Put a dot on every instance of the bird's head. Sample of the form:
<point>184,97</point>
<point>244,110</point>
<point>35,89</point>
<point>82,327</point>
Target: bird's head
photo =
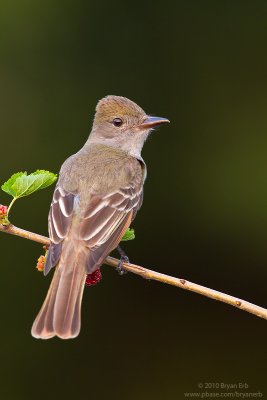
<point>121,123</point>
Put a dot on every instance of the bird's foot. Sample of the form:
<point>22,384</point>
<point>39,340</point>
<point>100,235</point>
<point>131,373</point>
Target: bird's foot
<point>123,259</point>
<point>120,269</point>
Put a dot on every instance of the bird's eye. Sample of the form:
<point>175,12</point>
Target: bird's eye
<point>117,122</point>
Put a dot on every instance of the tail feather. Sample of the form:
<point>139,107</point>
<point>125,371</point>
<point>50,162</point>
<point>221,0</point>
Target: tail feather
<point>60,314</point>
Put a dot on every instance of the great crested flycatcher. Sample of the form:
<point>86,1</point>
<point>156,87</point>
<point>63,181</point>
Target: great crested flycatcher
<point>98,194</point>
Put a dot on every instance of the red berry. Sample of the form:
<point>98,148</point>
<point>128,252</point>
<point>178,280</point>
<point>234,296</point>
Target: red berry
<point>94,278</point>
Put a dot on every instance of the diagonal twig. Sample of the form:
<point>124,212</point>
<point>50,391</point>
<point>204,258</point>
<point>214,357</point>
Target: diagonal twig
<point>153,275</point>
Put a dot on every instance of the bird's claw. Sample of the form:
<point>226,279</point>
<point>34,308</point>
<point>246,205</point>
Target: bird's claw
<point>120,269</point>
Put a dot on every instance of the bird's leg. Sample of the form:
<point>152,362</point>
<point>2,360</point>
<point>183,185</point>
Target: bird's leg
<point>123,259</point>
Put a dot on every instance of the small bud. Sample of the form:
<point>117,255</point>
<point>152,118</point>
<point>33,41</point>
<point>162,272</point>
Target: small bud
<point>3,211</point>
<point>3,215</point>
<point>94,278</point>
<point>40,263</point>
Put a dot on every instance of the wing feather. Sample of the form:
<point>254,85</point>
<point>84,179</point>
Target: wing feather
<point>106,220</point>
<point>59,220</point>
<point>60,214</point>
<point>100,227</point>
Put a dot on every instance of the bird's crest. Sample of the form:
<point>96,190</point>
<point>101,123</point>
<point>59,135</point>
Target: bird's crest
<point>117,106</point>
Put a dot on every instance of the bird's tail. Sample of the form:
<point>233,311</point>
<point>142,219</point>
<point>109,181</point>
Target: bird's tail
<point>60,314</point>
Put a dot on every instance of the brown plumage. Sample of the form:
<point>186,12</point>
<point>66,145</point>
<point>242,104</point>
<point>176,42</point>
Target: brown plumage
<point>98,193</point>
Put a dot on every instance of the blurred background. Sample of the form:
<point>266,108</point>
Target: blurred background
<point>202,64</point>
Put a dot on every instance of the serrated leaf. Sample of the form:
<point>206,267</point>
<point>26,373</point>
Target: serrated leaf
<point>50,177</point>
<point>129,235</point>
<point>21,184</point>
<point>7,186</point>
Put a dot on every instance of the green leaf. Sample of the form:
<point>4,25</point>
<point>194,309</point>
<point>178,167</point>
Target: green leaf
<point>7,186</point>
<point>129,235</point>
<point>21,184</point>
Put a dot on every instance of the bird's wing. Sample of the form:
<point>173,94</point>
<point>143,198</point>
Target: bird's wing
<point>101,227</point>
<point>60,214</point>
<point>59,219</point>
<point>105,221</point>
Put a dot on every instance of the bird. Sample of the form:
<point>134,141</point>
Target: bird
<point>97,196</point>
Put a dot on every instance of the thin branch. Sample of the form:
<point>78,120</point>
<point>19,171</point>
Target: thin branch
<point>149,274</point>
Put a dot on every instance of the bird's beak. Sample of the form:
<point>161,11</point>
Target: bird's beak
<point>151,122</point>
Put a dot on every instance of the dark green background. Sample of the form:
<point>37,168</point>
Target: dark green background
<point>202,64</point>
